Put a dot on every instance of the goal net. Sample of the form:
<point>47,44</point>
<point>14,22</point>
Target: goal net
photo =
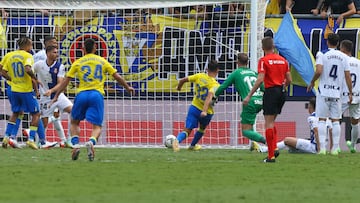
<point>152,44</point>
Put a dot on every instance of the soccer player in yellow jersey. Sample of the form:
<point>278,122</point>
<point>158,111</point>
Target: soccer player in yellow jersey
<point>16,68</point>
<point>91,71</point>
<point>200,110</point>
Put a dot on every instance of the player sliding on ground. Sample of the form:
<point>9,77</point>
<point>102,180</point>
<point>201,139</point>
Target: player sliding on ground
<point>200,110</point>
<point>298,144</point>
<point>91,71</point>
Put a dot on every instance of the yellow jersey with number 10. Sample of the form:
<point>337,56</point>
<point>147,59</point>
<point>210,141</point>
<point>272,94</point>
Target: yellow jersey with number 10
<point>14,63</point>
<point>203,84</point>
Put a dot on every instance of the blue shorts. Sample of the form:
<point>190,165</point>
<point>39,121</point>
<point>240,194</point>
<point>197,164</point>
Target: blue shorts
<point>193,118</point>
<point>23,101</point>
<point>89,105</point>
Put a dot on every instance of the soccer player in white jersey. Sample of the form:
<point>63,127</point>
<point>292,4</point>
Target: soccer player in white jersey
<point>331,68</point>
<point>346,46</point>
<point>41,55</point>
<point>51,73</point>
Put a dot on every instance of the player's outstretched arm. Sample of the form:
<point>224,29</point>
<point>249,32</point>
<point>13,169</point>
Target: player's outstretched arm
<point>122,82</point>
<point>182,81</point>
<point>61,88</point>
<point>229,81</point>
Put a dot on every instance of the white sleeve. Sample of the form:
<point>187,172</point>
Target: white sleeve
<point>319,58</point>
<point>35,67</point>
<point>313,122</point>
<point>61,73</point>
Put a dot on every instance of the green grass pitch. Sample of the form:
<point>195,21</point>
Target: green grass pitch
<point>160,175</point>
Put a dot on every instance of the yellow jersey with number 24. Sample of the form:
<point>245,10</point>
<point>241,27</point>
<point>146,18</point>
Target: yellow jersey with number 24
<point>91,72</point>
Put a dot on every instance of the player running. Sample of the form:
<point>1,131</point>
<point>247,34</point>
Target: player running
<point>200,110</point>
<point>91,70</point>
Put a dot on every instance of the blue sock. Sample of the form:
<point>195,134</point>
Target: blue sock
<point>198,135</point>
<point>9,128</point>
<point>75,140</point>
<point>41,132</point>
<point>181,136</point>
<point>16,127</point>
<point>33,130</point>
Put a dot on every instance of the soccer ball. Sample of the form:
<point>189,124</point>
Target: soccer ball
<point>169,139</point>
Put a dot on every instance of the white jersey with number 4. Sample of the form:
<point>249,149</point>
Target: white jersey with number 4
<point>334,64</point>
<point>354,64</point>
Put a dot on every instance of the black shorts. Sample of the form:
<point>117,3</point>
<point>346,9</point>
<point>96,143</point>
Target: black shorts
<point>273,100</point>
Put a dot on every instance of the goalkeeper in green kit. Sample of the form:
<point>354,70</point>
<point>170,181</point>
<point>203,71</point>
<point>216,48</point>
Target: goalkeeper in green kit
<point>244,78</point>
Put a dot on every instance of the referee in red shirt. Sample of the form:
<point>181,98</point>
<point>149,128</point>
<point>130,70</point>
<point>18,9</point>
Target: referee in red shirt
<point>274,71</point>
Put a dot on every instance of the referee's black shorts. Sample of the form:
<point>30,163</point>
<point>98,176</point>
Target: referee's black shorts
<point>273,100</point>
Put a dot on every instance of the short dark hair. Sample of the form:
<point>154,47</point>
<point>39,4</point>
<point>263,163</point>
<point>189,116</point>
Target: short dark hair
<point>23,41</point>
<point>312,102</point>
<point>213,66</point>
<point>243,59</point>
<point>49,38</point>
<point>50,48</point>
<point>333,39</point>
<point>267,43</point>
<point>347,45</point>
<point>89,44</point>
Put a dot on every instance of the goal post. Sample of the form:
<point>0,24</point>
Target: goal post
<point>152,44</point>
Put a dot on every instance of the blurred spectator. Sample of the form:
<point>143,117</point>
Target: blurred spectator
<point>4,14</point>
<point>316,11</point>
<point>232,8</point>
<point>180,12</point>
<point>197,12</point>
<point>357,6</point>
<point>345,8</point>
<point>3,42</point>
<point>273,7</point>
<point>304,6</point>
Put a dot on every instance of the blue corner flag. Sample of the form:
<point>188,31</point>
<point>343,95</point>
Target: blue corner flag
<point>290,44</point>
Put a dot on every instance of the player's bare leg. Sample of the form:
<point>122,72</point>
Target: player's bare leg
<point>75,131</point>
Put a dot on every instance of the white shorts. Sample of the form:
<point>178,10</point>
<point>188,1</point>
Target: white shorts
<point>62,103</point>
<point>354,110</point>
<point>327,107</point>
<point>306,146</point>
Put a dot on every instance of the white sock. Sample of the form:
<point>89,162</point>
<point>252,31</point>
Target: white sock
<point>336,135</point>
<point>322,134</point>
<point>281,145</point>
<point>69,126</point>
<point>354,134</point>
<point>263,149</point>
<point>59,128</point>
<point>51,119</point>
